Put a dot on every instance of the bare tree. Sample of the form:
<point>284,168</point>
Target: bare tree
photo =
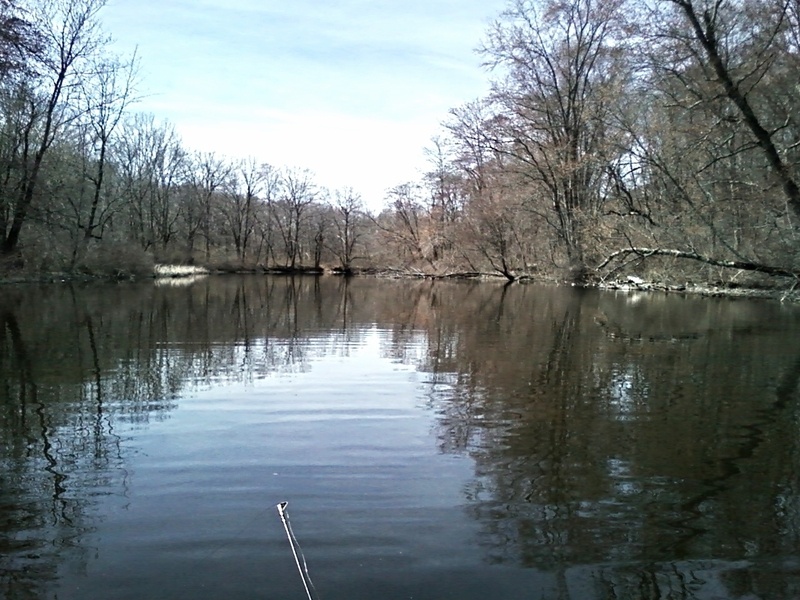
<point>565,65</point>
<point>493,227</point>
<point>264,216</point>
<point>738,44</point>
<point>298,192</point>
<point>107,91</point>
<point>247,186</point>
<point>348,215</point>
<point>71,37</point>
<point>402,223</point>
<point>319,217</point>
<point>151,165</point>
<point>494,222</point>
<point>714,157</point>
<point>209,177</point>
<point>19,40</point>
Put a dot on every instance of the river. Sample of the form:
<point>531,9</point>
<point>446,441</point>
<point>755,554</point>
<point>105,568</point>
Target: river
<point>432,439</point>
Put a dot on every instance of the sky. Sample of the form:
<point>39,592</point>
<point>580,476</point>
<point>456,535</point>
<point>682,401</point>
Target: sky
<point>353,90</point>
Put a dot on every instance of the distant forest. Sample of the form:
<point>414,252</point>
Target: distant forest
<point>651,137</point>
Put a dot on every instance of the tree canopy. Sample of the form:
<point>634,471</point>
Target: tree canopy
<point>662,135</point>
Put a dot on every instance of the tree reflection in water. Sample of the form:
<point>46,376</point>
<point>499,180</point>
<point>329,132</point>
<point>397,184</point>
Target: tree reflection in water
<point>80,366</point>
<point>631,446</point>
<point>83,366</point>
<point>642,435</point>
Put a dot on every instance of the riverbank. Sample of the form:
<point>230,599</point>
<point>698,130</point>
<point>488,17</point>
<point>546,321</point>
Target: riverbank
<point>629,284</point>
<point>787,294</point>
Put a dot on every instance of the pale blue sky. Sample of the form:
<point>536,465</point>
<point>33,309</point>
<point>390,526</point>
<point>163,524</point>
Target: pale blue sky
<point>351,89</point>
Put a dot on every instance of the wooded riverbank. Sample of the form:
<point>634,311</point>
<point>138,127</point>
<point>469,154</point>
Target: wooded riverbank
<point>186,274</point>
<point>655,142</point>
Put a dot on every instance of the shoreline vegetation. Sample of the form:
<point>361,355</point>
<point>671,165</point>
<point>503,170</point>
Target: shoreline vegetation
<point>182,274</point>
<point>622,146</point>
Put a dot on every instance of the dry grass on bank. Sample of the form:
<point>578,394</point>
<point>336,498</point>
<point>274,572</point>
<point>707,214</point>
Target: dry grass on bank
<point>179,270</point>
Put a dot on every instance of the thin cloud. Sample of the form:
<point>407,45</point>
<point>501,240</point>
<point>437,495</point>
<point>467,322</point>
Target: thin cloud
<point>357,74</point>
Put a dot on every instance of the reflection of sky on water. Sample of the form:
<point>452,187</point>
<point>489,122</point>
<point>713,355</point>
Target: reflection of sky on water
<point>345,440</point>
<point>624,482</point>
<point>183,281</point>
<point>422,445</point>
<point>627,396</point>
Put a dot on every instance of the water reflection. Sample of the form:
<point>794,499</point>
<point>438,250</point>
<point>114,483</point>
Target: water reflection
<point>615,430</point>
<point>82,365</point>
<point>628,446</point>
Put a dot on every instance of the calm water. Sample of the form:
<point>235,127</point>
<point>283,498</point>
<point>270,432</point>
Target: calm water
<point>433,440</point>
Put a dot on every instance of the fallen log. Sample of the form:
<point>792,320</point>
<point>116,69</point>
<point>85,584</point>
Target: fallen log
<point>731,264</point>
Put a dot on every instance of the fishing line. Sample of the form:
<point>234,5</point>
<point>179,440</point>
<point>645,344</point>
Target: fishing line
<point>295,545</point>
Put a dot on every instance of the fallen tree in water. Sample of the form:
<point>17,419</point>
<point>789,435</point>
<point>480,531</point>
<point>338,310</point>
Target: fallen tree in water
<point>744,265</point>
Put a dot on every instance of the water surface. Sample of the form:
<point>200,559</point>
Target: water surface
<point>433,440</point>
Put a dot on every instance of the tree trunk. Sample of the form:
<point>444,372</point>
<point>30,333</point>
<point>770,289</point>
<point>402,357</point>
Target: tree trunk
<point>729,264</point>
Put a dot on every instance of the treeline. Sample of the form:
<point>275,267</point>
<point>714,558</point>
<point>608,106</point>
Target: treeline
<point>644,132</point>
<point>657,136</point>
<point>86,183</point>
